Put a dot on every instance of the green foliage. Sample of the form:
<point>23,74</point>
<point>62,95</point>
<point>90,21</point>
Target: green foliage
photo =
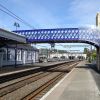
<point>85,50</point>
<point>94,55</point>
<point>91,55</point>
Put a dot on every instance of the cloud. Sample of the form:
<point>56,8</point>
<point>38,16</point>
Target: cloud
<point>68,13</point>
<point>84,11</point>
<point>36,13</point>
<point>3,25</point>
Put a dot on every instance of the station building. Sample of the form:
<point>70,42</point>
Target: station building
<point>14,50</point>
<point>69,55</point>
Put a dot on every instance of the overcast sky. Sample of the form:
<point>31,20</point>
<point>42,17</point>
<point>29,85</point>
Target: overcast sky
<point>50,13</point>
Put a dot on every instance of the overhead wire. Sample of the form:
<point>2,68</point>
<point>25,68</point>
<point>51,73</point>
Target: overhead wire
<point>10,13</point>
<point>72,45</point>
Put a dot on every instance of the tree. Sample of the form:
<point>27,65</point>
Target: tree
<point>91,55</point>
<point>86,51</point>
<point>94,55</point>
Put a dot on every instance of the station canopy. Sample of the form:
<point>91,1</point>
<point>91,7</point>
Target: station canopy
<point>7,37</point>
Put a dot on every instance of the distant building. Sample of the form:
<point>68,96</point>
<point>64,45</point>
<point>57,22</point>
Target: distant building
<point>98,20</point>
<point>60,54</point>
<point>68,55</point>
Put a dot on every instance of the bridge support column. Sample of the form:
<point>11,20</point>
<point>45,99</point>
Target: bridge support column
<point>98,59</point>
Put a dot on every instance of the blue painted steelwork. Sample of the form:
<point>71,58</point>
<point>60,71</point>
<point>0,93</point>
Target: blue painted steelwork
<point>84,35</point>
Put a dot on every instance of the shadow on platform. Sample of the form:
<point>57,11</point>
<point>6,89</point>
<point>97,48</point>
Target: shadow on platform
<point>94,71</point>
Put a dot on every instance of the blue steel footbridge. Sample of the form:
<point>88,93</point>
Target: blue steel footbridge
<point>62,35</point>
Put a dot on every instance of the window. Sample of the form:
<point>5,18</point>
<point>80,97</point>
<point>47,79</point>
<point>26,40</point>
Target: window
<point>18,55</point>
<point>29,55</point>
<point>11,54</point>
<point>3,53</point>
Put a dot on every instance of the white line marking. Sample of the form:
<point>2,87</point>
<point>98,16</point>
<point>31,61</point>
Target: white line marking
<point>13,72</point>
<point>51,90</point>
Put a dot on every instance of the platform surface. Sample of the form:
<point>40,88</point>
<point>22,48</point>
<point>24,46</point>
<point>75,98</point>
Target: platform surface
<point>19,68</point>
<point>79,84</point>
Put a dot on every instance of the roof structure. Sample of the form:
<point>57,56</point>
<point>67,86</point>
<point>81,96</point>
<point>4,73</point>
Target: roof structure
<point>11,37</point>
<point>22,46</point>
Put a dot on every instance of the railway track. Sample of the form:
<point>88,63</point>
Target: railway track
<point>39,92</point>
<point>9,77</point>
<point>34,95</point>
<point>36,83</point>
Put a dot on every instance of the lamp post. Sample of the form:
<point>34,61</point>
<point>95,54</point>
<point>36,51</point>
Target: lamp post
<point>16,25</point>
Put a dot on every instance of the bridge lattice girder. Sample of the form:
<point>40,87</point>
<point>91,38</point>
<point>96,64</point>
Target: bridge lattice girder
<point>87,35</point>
